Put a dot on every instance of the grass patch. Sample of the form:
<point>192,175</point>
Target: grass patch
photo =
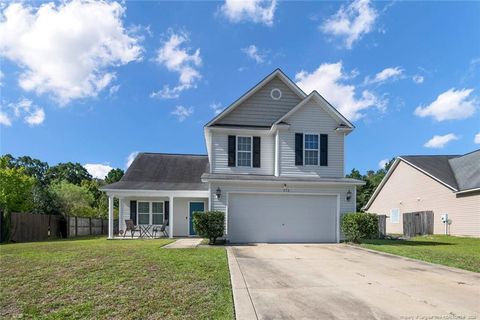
<point>458,252</point>
<point>124,279</point>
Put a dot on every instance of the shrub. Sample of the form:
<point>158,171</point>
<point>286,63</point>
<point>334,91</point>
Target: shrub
<point>359,225</point>
<point>209,224</point>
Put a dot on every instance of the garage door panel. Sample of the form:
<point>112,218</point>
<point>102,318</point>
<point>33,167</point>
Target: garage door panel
<point>282,218</point>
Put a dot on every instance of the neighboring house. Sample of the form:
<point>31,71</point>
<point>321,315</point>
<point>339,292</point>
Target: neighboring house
<point>275,166</point>
<point>447,184</point>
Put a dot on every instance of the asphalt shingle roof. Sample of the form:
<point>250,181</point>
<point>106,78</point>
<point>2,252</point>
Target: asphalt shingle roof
<point>161,171</point>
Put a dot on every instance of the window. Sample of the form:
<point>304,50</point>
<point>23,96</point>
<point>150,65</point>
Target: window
<point>395,215</point>
<point>143,212</point>
<point>244,151</point>
<point>157,212</point>
<point>146,209</point>
<point>311,149</point>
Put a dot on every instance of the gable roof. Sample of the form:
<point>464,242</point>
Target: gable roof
<point>459,173</point>
<point>324,103</point>
<point>276,73</point>
<point>163,171</point>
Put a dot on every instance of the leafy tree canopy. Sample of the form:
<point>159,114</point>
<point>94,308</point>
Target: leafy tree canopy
<point>114,175</point>
<point>71,172</point>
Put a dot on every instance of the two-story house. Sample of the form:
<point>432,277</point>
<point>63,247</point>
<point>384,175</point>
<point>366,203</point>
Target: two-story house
<point>275,166</point>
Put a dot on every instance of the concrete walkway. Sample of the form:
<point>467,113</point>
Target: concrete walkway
<point>342,282</point>
<point>184,243</point>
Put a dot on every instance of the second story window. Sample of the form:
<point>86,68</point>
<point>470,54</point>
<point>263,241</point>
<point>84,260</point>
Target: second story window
<point>244,151</point>
<point>311,149</point>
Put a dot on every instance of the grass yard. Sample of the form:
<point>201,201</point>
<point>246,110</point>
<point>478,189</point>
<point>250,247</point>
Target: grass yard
<point>458,252</point>
<point>124,279</point>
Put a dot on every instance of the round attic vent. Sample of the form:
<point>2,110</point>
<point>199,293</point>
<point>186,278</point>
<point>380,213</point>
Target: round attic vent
<point>276,94</point>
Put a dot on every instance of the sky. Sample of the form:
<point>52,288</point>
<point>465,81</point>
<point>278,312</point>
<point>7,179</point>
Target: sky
<point>97,82</point>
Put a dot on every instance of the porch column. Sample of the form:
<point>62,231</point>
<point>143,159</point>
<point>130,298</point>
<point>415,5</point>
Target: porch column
<point>120,214</point>
<point>170,203</point>
<point>110,217</point>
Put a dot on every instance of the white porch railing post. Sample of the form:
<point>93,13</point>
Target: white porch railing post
<point>110,217</point>
<point>120,214</point>
<point>170,222</point>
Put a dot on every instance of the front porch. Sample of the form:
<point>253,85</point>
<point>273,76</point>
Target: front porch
<point>149,210</point>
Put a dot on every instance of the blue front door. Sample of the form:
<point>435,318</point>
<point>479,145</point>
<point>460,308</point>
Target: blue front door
<point>194,207</point>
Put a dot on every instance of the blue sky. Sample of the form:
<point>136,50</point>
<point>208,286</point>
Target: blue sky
<point>94,82</point>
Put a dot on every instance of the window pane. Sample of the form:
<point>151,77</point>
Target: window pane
<point>311,157</point>
<point>311,141</point>
<point>143,207</point>
<point>157,218</point>
<point>143,218</point>
<point>244,159</point>
<point>244,143</point>
<point>157,207</point>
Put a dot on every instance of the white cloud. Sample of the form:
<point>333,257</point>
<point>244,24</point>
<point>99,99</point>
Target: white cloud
<point>477,138</point>
<point>328,79</point>
<point>36,117</point>
<point>24,108</point>
<point>182,113</point>
<point>351,22</point>
<point>216,107</point>
<point>253,53</point>
<point>418,79</point>
<point>438,142</point>
<point>67,49</point>
<point>5,119</point>
<point>178,58</point>
<point>450,105</point>
<point>386,74</point>
<point>130,159</point>
<point>257,11</point>
<point>98,170</point>
<point>382,163</point>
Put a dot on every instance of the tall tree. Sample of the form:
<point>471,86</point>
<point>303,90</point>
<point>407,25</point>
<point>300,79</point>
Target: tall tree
<point>15,189</point>
<point>71,172</point>
<point>33,167</point>
<point>114,175</point>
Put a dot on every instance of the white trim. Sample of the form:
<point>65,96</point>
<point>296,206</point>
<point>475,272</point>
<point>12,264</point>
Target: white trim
<point>389,173</point>
<point>315,94</point>
<point>257,87</point>
<point>188,215</point>
<point>158,193</point>
<point>467,190</point>
<point>279,94</point>
<point>110,217</point>
<point>346,183</point>
<point>290,194</point>
<point>243,151</point>
<point>277,155</point>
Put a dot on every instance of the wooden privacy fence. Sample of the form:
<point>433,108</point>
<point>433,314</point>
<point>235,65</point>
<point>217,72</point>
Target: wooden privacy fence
<point>79,226</point>
<point>382,226</point>
<point>28,227</point>
<point>417,223</point>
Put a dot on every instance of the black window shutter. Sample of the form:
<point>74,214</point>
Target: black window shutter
<point>167,212</point>
<point>299,149</point>
<point>324,149</point>
<point>232,140</point>
<point>256,152</point>
<point>133,211</point>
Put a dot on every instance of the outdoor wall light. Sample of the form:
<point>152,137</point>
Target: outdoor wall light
<point>349,195</point>
<point>218,193</point>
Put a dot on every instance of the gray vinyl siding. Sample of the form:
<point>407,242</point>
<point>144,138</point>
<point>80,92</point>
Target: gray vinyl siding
<point>311,118</point>
<point>219,160</point>
<point>221,204</point>
<point>260,109</point>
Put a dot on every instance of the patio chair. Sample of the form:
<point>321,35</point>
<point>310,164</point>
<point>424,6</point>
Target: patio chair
<point>162,229</point>
<point>131,227</point>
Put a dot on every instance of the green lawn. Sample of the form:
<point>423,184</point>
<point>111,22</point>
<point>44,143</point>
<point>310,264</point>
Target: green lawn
<point>127,279</point>
<point>456,252</point>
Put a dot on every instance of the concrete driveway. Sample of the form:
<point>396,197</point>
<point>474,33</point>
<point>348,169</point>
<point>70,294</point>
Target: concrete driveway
<point>341,282</point>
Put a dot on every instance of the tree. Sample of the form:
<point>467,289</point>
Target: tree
<point>15,189</point>
<point>71,172</point>
<point>114,175</point>
<point>74,200</point>
<point>33,167</point>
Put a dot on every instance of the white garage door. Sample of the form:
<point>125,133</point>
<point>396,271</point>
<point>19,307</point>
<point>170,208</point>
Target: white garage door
<point>282,218</point>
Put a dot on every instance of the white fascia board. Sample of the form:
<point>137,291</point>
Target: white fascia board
<point>257,87</point>
<point>238,130</point>
<point>158,193</point>
<point>288,182</point>
<point>467,190</point>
